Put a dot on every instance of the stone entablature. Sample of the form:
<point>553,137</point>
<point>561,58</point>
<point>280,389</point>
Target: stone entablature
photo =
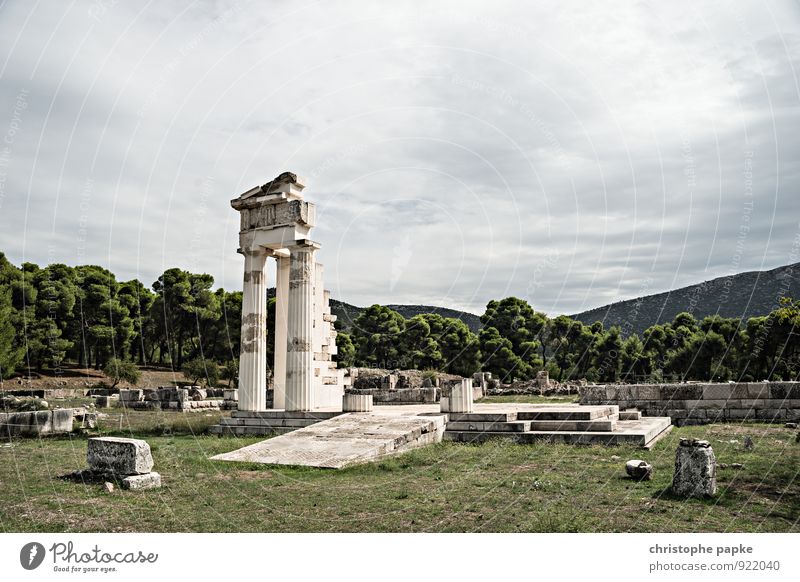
<point>703,403</point>
<point>277,214</point>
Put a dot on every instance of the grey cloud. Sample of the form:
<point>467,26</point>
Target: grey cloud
<point>456,154</point>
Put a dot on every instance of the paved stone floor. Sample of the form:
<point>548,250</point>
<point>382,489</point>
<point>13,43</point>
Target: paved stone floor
<point>347,439</point>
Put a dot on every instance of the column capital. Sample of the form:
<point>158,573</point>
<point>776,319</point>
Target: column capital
<point>255,251</point>
<point>303,244</point>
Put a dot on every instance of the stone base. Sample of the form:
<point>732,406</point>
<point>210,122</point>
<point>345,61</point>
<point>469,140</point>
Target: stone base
<point>269,422</point>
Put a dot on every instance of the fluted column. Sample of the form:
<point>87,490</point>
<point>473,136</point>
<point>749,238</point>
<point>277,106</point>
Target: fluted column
<point>299,356</point>
<point>253,357</point>
<point>281,324</point>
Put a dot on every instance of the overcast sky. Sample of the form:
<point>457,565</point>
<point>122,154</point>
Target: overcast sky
<point>568,153</point>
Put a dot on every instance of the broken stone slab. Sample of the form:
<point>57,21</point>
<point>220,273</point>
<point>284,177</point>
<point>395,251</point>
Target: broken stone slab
<point>231,395</point>
<point>150,480</point>
<point>119,456</point>
<point>695,469</point>
<point>638,469</point>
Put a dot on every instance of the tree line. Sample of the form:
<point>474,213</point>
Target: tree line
<point>58,314</point>
<point>516,342</point>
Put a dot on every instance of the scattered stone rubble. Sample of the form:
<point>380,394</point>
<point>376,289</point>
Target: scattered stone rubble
<point>639,470</point>
<point>695,469</point>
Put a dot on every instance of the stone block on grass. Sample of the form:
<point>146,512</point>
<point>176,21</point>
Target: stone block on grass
<point>119,456</point>
<point>695,469</point>
<point>150,480</point>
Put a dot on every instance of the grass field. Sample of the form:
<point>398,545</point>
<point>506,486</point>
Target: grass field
<point>497,487</point>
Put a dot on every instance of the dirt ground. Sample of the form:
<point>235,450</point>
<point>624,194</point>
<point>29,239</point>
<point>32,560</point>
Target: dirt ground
<point>78,378</point>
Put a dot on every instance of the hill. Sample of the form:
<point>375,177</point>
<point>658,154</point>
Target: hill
<point>346,313</point>
<point>743,295</point>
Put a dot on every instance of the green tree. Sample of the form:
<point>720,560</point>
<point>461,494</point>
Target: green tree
<point>378,337</point>
<point>186,310</point>
<point>635,361</point>
<point>137,300</point>
<point>515,320</point>
<point>499,357</point>
<point>345,350</point>
<point>230,372</point>
<point>10,353</point>
<point>201,368</point>
<point>121,370</point>
<point>459,346</point>
<point>608,347</point>
<point>104,324</point>
<point>419,346</point>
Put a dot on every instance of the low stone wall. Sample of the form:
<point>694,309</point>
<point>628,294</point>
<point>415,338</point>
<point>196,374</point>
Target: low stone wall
<point>401,395</point>
<point>703,403</point>
<point>167,398</point>
<point>43,392</point>
<point>173,405</point>
<point>37,423</point>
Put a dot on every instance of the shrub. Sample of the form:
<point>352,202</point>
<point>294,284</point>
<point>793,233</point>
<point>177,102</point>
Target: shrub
<point>119,370</point>
<point>230,372</point>
<point>200,368</point>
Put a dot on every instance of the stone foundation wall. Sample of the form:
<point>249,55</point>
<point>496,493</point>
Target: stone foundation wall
<point>703,403</point>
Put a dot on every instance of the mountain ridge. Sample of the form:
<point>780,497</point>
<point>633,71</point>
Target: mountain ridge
<point>741,295</point>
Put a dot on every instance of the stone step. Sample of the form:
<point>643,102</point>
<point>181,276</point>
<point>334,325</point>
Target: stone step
<point>347,439</point>
<point>630,415</point>
<point>515,426</point>
<point>483,416</point>
<point>574,425</point>
<point>568,413</point>
<point>644,433</point>
<point>269,422</point>
<point>223,430</point>
<point>267,414</point>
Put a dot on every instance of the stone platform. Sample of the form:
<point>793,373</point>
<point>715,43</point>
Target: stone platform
<point>332,439</point>
<point>572,424</point>
<point>346,439</point>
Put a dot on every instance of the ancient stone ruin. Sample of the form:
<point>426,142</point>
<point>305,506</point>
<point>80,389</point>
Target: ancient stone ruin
<point>318,422</point>
<point>126,460</point>
<point>276,223</point>
<point>695,469</point>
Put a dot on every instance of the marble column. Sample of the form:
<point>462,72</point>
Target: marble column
<point>300,357</point>
<point>253,357</point>
<point>281,323</point>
